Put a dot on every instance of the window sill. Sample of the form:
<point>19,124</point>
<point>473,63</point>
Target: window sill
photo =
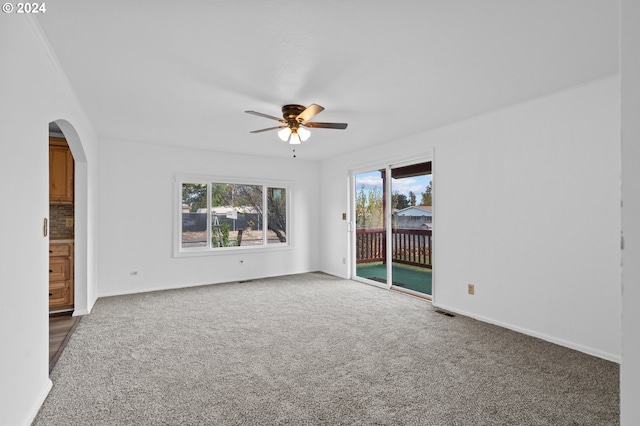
<point>232,251</point>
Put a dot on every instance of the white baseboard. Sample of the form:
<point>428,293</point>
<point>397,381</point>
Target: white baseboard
<point>339,274</point>
<point>566,343</point>
<point>196,284</point>
<point>42,396</point>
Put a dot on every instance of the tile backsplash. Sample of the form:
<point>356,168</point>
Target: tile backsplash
<point>58,215</point>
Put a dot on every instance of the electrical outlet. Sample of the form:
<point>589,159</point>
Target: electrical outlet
<point>344,216</point>
<point>471,289</point>
<point>68,222</point>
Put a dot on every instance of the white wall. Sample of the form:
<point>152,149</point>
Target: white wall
<point>630,370</point>
<point>526,207</point>
<point>137,218</point>
<point>34,92</point>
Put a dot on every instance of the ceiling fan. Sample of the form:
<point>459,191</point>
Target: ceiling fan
<point>296,118</point>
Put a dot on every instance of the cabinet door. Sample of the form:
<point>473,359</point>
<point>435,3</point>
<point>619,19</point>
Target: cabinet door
<point>59,250</point>
<point>59,294</point>
<point>59,269</point>
<point>60,276</point>
<point>60,175</point>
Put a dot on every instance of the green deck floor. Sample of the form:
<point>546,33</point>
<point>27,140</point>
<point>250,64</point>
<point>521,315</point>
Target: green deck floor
<point>410,277</point>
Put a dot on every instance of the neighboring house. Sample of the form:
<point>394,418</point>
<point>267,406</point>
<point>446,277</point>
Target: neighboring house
<point>237,217</point>
<point>413,217</point>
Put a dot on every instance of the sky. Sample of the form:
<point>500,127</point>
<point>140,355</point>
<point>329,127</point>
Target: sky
<point>417,184</point>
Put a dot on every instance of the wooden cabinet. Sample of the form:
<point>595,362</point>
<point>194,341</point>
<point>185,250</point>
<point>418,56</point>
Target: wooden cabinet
<point>60,172</point>
<point>60,276</point>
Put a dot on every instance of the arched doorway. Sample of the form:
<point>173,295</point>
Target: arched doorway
<point>68,235</point>
<point>80,213</point>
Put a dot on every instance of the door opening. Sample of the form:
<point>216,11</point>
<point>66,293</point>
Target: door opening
<point>370,228</point>
<point>393,245</point>
<point>412,222</point>
<point>61,224</point>
<point>61,243</point>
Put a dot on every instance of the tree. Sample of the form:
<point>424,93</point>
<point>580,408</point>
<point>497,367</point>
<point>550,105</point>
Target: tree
<point>221,194</point>
<point>427,198</point>
<point>251,195</point>
<point>224,234</point>
<point>194,195</point>
<point>361,208</point>
<point>374,208</point>
<point>277,208</point>
<point>369,208</point>
<point>399,201</point>
<point>243,195</point>
<point>412,198</point>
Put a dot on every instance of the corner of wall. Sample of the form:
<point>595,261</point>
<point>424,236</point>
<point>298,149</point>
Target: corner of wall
<point>42,396</point>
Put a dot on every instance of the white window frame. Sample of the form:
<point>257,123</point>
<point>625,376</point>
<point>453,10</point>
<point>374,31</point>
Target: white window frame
<point>183,178</point>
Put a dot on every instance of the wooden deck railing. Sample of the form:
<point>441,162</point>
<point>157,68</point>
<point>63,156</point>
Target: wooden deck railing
<point>370,245</point>
<point>410,246</point>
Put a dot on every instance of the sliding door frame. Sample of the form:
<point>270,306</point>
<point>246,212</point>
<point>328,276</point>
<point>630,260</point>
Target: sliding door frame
<point>351,226</point>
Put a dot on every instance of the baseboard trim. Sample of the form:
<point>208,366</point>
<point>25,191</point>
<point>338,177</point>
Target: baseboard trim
<point>190,285</point>
<point>42,396</point>
<point>566,343</point>
<point>335,274</point>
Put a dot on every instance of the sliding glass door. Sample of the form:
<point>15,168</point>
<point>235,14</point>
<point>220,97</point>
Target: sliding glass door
<point>412,214</point>
<point>393,227</point>
<point>370,227</point>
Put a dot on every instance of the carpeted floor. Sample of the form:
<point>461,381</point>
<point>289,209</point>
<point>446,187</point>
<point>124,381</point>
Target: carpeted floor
<point>312,349</point>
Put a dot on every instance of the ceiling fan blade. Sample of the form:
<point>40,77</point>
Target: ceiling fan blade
<point>325,125</point>
<point>266,116</point>
<point>308,113</point>
<point>267,129</point>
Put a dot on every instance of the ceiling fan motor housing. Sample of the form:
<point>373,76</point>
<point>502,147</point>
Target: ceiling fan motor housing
<point>291,112</point>
<point>295,115</point>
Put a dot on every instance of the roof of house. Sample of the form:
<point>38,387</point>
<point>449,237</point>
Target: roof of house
<point>426,210</point>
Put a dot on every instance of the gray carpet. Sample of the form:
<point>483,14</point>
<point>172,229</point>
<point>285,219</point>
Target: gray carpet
<point>313,349</point>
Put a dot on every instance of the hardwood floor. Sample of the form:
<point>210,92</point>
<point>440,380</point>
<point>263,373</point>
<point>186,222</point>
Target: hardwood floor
<point>61,327</point>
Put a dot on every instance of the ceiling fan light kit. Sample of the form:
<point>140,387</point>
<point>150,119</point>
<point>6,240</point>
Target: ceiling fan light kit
<point>295,119</point>
<point>303,133</point>
<point>295,135</point>
<point>284,134</point>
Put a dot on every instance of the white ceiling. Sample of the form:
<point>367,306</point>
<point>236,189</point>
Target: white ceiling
<point>183,72</point>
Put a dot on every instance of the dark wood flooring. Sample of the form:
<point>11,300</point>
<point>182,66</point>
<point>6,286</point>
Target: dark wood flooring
<point>61,327</point>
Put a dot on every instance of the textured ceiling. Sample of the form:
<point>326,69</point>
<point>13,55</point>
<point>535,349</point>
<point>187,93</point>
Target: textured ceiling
<point>182,73</point>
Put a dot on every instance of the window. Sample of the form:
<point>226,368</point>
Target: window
<point>222,216</point>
